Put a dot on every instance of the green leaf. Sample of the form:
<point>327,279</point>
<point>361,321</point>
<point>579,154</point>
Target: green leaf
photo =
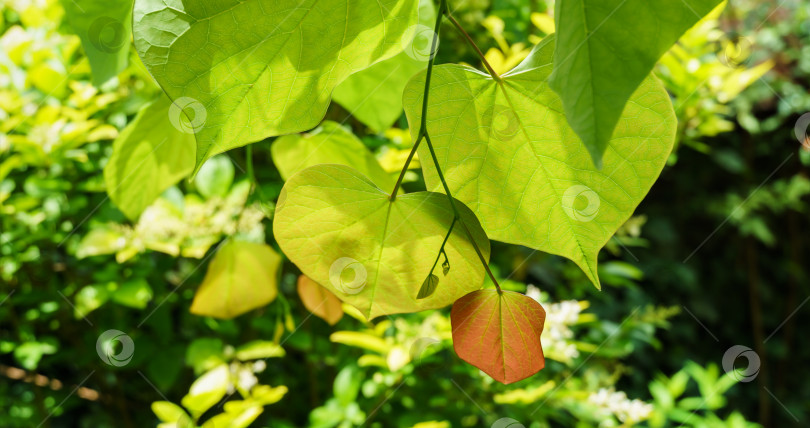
<point>252,69</point>
<point>207,390</point>
<point>259,349</point>
<point>329,143</point>
<point>135,293</point>
<point>605,49</point>
<point>215,177</point>
<point>499,332</point>
<point>346,234</point>
<point>149,156</point>
<point>172,413</point>
<point>428,287</point>
<point>90,298</point>
<point>374,95</point>
<point>347,385</point>
<point>242,276</point>
<point>204,354</point>
<point>104,27</point>
<point>265,394</point>
<point>508,153</point>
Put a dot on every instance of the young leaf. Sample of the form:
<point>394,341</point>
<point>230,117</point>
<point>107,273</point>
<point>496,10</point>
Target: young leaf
<point>605,49</point>
<point>499,333</point>
<point>320,301</point>
<point>508,153</point>
<point>241,277</point>
<point>329,143</point>
<point>104,27</point>
<point>374,95</point>
<point>347,235</point>
<point>428,287</point>
<point>251,69</point>
<point>149,156</point>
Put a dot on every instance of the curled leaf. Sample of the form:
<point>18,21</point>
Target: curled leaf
<point>428,287</point>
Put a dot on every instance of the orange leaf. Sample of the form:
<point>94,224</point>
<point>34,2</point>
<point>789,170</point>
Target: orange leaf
<point>320,301</point>
<point>499,333</point>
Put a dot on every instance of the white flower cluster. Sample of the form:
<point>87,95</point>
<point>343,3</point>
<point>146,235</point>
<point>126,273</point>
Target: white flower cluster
<point>557,334</point>
<point>616,403</point>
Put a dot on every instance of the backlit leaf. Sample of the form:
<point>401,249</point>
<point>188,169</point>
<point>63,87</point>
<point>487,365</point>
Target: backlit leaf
<point>320,301</point>
<point>509,154</point>
<point>428,287</point>
<point>105,28</point>
<point>241,277</point>
<point>374,95</point>
<point>149,156</point>
<point>605,50</point>
<point>344,232</point>
<point>251,69</point>
<point>329,143</point>
<point>499,333</point>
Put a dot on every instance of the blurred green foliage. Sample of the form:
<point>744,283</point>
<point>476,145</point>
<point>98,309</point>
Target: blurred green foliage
<point>716,256</point>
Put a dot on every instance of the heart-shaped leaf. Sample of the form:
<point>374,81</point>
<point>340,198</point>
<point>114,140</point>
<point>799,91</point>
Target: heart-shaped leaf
<point>320,301</point>
<point>499,333</point>
<point>250,69</point>
<point>346,234</point>
<point>329,143</point>
<point>241,277</point>
<point>508,153</point>
<point>605,49</point>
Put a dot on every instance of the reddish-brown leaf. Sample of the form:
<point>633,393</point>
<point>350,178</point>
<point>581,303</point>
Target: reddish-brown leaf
<point>499,333</point>
<point>320,301</point>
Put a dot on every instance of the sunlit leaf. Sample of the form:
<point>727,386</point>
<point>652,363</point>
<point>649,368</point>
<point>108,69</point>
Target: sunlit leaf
<point>374,95</point>
<point>320,301</point>
<point>149,156</point>
<point>329,143</point>
<point>605,50</point>
<point>509,154</point>
<point>207,390</point>
<point>346,234</point>
<point>215,177</point>
<point>171,413</point>
<point>499,333</point>
<point>242,276</point>
<point>135,293</point>
<point>259,349</point>
<point>105,28</point>
<point>257,68</point>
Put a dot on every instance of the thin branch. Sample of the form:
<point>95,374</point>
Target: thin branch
<point>470,41</point>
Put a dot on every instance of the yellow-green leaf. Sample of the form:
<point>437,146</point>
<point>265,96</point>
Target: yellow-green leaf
<point>346,234</point>
<point>242,276</point>
<point>149,156</point>
<point>329,143</point>
<point>507,152</point>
